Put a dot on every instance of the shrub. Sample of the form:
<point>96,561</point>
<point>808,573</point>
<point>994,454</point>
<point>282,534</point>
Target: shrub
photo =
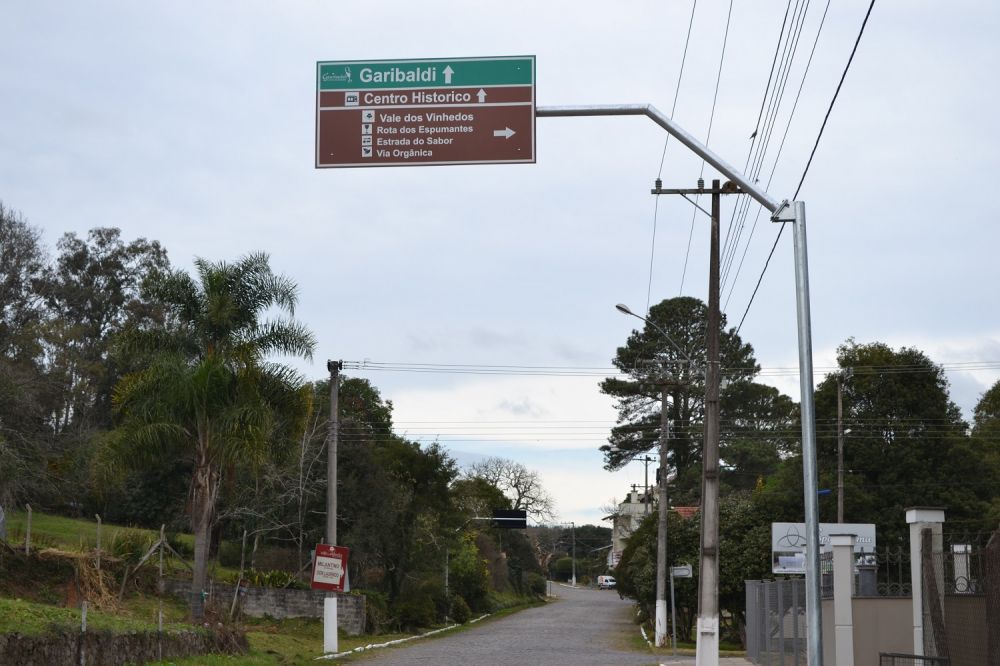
<point>269,579</point>
<point>129,545</point>
<point>376,611</point>
<point>536,584</point>
<point>415,610</point>
<point>460,611</point>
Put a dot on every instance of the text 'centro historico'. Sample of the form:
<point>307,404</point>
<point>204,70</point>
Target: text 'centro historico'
<point>423,112</point>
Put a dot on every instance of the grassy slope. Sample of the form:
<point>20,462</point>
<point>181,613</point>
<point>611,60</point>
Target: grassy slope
<point>68,533</point>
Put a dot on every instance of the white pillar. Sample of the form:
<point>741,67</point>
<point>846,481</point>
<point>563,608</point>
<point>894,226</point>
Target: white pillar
<point>843,591</point>
<point>330,624</point>
<point>920,518</point>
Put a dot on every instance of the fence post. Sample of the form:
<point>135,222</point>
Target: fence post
<point>920,518</point>
<point>98,516</point>
<point>83,635</point>
<point>991,571</point>
<point>27,532</point>
<point>843,587</point>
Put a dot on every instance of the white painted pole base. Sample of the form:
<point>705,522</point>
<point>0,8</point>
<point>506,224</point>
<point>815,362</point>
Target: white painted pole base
<point>661,622</point>
<point>707,649</point>
<point>330,624</point>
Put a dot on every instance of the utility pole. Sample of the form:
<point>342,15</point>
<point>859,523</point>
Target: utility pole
<point>707,648</point>
<point>840,450</point>
<point>661,528</point>
<point>708,574</point>
<point>332,433</point>
<point>645,493</point>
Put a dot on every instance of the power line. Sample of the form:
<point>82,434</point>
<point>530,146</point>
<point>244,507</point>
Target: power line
<point>663,156</point>
<point>708,137</point>
<point>809,162</point>
<point>774,167</point>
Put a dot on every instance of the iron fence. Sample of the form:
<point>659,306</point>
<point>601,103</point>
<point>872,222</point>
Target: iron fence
<point>895,659</point>
<point>776,622</point>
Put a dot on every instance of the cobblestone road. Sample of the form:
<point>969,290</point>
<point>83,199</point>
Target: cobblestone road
<point>585,627</point>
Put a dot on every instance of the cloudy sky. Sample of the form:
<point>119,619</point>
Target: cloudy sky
<point>193,123</point>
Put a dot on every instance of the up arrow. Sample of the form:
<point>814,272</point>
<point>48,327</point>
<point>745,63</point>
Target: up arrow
<point>482,95</point>
<point>506,132</point>
<point>448,71</point>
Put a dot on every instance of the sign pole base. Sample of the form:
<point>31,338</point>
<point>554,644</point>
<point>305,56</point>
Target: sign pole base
<point>330,623</point>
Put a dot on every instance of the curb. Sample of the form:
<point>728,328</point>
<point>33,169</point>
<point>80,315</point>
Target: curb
<point>398,641</point>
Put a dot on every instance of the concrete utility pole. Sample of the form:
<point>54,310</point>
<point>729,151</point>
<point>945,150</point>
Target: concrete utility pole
<point>661,529</point>
<point>840,450</point>
<point>708,573</point>
<point>332,433</point>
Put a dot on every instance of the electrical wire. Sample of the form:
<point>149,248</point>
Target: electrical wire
<point>812,154</point>
<point>708,138</point>
<point>663,156</point>
<point>777,157</point>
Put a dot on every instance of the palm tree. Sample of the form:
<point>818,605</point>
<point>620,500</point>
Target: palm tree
<point>206,393</point>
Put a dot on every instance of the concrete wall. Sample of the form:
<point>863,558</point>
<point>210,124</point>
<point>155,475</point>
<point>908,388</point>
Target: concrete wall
<point>104,648</point>
<point>881,624</point>
<point>280,603</point>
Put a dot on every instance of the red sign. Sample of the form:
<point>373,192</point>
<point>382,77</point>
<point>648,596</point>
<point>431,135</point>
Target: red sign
<point>330,568</point>
<point>425,112</point>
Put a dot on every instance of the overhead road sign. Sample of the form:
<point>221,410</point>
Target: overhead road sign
<point>510,519</point>
<point>425,112</point>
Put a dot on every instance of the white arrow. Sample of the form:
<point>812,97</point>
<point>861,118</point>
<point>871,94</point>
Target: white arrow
<point>506,132</point>
<point>448,71</point>
<point>482,95</point>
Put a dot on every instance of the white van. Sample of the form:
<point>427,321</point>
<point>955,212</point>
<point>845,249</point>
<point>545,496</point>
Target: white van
<point>605,582</point>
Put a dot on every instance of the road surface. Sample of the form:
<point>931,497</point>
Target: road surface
<point>584,627</point>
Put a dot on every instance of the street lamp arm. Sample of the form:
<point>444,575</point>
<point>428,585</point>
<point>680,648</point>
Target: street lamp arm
<point>625,310</point>
<point>675,130</point>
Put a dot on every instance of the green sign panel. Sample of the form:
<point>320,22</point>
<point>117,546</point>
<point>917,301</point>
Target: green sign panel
<point>396,74</point>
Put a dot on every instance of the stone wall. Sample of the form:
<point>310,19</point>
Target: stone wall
<point>107,648</point>
<point>280,603</point>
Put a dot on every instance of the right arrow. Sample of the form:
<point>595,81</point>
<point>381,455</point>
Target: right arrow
<point>506,132</point>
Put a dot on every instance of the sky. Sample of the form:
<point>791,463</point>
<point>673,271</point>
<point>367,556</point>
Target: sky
<point>193,123</point>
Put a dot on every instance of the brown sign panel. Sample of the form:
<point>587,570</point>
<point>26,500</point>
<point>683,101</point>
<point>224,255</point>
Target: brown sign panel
<point>439,115</point>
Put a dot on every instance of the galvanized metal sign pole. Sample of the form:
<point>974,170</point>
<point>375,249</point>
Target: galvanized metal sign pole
<point>782,211</point>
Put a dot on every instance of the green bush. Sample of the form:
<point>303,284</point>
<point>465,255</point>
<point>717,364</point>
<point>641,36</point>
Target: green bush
<point>460,611</point>
<point>128,545</point>
<point>415,611</point>
<point>536,584</point>
<point>269,579</point>
<point>376,611</point>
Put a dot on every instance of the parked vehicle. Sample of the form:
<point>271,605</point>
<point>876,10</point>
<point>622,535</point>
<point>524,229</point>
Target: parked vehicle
<point>605,582</point>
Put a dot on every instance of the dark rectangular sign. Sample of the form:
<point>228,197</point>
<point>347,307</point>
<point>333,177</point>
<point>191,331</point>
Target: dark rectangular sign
<point>512,519</point>
<point>420,112</point>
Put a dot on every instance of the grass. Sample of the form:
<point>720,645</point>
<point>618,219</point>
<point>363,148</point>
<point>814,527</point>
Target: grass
<point>77,534</point>
<point>33,619</point>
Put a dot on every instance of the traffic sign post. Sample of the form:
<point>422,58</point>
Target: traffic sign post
<point>425,112</point>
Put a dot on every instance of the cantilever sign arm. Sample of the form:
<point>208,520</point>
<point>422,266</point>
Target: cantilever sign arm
<point>675,130</point>
<point>782,211</point>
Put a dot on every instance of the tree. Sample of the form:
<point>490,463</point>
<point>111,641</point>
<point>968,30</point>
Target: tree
<point>648,354</point>
<point>207,393</point>
<point>94,292</point>
<point>907,445</point>
<point>22,385</point>
<point>521,485</point>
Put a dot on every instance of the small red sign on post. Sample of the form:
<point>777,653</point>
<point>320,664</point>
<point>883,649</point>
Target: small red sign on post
<point>330,568</point>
